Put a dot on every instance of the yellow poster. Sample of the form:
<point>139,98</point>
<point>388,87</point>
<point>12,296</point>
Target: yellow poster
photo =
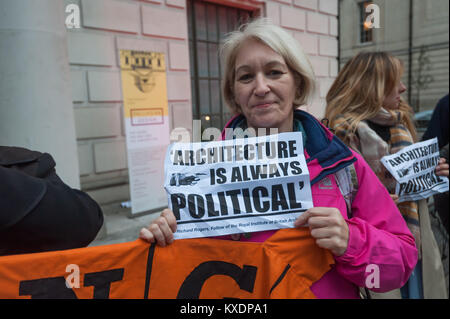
<point>144,90</point>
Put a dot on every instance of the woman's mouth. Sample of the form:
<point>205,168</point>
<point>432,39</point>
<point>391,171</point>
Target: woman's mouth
<point>263,105</point>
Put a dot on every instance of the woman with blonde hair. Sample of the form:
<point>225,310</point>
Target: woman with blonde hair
<point>267,77</point>
<point>366,111</point>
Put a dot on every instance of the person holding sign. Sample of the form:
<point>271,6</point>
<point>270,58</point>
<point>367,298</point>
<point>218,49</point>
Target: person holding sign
<point>366,111</point>
<point>267,77</point>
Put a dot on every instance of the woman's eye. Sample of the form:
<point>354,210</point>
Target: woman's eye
<point>245,77</point>
<point>275,72</point>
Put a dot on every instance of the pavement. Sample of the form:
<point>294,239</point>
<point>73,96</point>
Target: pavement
<point>120,226</point>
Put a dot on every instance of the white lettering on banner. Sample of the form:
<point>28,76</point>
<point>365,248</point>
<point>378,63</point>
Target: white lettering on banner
<point>73,280</point>
<point>413,167</point>
<point>237,186</point>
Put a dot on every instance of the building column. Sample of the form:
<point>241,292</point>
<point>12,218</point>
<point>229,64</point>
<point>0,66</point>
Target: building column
<point>36,109</point>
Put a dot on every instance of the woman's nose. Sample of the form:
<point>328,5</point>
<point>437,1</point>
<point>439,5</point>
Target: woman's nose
<point>261,85</point>
<point>402,88</point>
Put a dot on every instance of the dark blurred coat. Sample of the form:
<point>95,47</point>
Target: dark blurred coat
<point>438,127</point>
<point>38,212</point>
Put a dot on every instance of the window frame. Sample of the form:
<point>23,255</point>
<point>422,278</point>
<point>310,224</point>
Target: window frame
<point>362,15</point>
<point>196,78</point>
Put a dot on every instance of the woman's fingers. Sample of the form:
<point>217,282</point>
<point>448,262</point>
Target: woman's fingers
<point>394,197</point>
<point>146,235</point>
<point>159,236</point>
<point>171,220</point>
<point>161,229</point>
<point>328,227</point>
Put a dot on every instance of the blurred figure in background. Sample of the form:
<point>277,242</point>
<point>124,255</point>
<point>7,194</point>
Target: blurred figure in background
<point>438,127</point>
<point>366,111</point>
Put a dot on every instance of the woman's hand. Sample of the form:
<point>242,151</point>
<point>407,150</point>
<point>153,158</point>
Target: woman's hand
<point>328,227</point>
<point>442,168</point>
<point>394,198</point>
<point>161,229</point>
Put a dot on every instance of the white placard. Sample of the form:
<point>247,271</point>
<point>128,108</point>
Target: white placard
<point>413,167</point>
<point>237,186</point>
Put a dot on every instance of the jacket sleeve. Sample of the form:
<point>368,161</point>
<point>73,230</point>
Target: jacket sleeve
<point>43,214</point>
<point>438,125</point>
<point>380,245</point>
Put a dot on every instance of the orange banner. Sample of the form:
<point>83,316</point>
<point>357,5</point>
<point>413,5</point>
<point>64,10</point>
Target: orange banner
<point>285,266</point>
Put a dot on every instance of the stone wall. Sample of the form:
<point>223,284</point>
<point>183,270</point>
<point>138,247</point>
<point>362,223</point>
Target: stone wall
<point>161,25</point>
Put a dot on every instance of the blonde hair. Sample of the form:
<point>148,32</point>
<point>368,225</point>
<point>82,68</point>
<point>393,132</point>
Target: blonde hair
<point>359,90</point>
<point>278,40</point>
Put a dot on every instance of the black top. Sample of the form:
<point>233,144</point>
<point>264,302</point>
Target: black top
<point>438,126</point>
<point>382,131</point>
<point>38,212</point>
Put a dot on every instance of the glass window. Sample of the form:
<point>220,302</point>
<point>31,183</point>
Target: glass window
<point>365,33</point>
<point>208,23</point>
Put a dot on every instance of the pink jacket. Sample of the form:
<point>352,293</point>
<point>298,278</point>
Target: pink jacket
<point>379,240</point>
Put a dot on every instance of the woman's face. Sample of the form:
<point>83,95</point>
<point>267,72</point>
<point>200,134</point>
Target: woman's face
<point>264,87</point>
<point>392,100</point>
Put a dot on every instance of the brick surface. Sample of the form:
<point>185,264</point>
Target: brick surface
<point>333,25</point>
<point>320,65</point>
<point>329,6</point>
<point>308,42</point>
<point>273,12</point>
<point>176,3</point>
<point>85,159</point>
<point>164,23</point>
<point>111,15</point>
<point>181,115</point>
<point>325,85</point>
<point>308,4</point>
<point>328,46</point>
<point>90,49</point>
<point>317,22</point>
<point>333,67</point>
<point>283,1</point>
<point>317,108</point>
<point>110,156</point>
<point>178,56</point>
<point>95,122</point>
<point>78,80</point>
<point>178,86</point>
<point>104,86</point>
<point>292,18</point>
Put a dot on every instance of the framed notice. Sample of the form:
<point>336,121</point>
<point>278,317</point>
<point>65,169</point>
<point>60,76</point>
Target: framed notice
<point>145,105</point>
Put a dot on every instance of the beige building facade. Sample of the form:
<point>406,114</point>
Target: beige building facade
<point>416,31</point>
<point>84,97</point>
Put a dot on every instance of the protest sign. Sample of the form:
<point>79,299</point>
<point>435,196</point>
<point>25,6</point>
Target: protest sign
<point>284,266</point>
<point>146,120</point>
<point>237,186</point>
<point>413,168</point>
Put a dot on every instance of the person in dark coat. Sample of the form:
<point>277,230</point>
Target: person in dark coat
<point>38,211</point>
<point>438,127</point>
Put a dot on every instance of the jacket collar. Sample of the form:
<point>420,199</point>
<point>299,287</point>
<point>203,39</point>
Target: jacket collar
<point>326,153</point>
